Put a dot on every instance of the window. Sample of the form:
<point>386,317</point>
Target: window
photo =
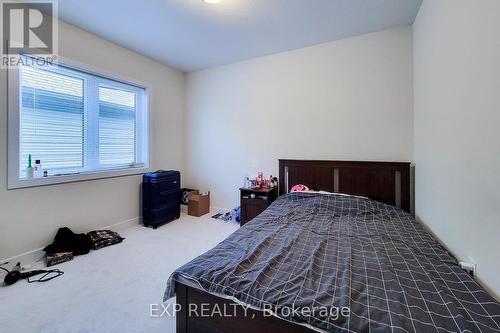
<point>79,124</point>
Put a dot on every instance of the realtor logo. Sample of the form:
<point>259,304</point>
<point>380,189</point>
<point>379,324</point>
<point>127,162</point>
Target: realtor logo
<point>28,27</point>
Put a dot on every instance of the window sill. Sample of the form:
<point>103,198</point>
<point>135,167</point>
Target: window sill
<point>80,177</point>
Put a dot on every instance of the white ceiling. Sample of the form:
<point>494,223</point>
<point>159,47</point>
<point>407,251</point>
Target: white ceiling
<point>191,35</point>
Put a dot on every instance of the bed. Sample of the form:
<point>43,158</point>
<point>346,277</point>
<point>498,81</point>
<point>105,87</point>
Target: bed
<point>331,262</point>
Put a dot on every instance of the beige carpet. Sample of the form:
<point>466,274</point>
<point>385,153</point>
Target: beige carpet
<point>110,290</point>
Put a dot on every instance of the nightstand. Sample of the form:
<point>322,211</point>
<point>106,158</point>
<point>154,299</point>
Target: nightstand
<point>251,207</point>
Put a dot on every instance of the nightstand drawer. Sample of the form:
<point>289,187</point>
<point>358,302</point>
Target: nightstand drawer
<point>250,208</point>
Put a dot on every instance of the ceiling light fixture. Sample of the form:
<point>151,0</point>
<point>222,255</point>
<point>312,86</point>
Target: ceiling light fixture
<point>212,2</point>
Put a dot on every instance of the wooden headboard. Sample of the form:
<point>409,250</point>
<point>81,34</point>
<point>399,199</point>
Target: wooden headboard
<point>388,182</point>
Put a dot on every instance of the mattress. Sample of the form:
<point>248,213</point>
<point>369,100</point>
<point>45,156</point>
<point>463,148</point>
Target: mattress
<point>343,264</point>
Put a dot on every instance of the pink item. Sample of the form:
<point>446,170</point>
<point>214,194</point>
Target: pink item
<point>260,179</point>
<point>299,188</point>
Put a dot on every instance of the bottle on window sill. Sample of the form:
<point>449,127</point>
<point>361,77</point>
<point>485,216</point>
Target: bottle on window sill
<point>29,169</point>
<point>38,172</point>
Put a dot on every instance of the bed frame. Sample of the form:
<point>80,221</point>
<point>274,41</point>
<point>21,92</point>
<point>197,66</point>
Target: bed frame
<point>388,182</point>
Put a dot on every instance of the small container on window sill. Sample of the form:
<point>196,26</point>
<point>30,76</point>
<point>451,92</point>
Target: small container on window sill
<point>38,171</point>
<point>30,173</point>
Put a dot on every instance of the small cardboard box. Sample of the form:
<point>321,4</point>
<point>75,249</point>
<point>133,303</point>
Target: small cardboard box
<point>58,258</point>
<point>198,204</point>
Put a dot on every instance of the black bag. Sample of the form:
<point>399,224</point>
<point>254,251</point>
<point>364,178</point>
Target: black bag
<point>67,241</point>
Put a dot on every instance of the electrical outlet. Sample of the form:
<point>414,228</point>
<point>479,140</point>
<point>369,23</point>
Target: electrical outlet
<point>469,267</point>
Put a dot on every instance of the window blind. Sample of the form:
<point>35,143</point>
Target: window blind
<point>51,119</point>
<point>74,121</point>
<point>117,135</point>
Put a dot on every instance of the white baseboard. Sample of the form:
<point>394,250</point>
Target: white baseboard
<point>213,209</point>
<point>216,209</point>
<point>29,257</point>
<point>38,254</point>
<point>120,226</point>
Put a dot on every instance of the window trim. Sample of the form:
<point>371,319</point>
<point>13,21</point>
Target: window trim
<point>13,140</point>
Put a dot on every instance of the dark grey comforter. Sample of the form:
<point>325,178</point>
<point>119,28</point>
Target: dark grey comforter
<point>318,251</point>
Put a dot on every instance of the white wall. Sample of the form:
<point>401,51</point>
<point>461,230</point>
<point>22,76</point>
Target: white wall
<point>348,99</point>
<point>30,217</point>
<point>457,133</point>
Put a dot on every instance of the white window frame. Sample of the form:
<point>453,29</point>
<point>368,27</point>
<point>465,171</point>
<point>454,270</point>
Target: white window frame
<point>14,180</point>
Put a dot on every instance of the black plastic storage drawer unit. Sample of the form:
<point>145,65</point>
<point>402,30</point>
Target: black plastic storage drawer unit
<point>161,197</point>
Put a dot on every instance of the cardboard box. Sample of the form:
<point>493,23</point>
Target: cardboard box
<point>198,204</point>
<point>58,258</point>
